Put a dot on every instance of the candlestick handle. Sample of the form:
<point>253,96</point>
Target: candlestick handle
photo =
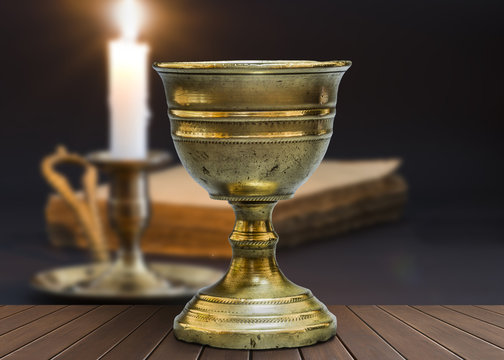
<point>86,210</point>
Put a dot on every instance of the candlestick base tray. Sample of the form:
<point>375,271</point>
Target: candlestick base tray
<point>171,281</point>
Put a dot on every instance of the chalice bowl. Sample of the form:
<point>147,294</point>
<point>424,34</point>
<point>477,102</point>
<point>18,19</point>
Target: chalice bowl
<point>251,132</point>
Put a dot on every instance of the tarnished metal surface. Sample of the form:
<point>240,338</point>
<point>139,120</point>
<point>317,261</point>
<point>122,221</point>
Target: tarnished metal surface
<point>252,132</point>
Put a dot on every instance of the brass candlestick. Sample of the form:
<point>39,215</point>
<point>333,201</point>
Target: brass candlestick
<point>251,132</point>
<point>129,214</point>
<point>128,278</point>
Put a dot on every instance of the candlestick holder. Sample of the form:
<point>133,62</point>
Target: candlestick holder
<point>129,214</point>
<point>128,277</point>
<point>251,132</point>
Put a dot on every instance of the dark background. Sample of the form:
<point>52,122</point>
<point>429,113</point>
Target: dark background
<point>426,85</point>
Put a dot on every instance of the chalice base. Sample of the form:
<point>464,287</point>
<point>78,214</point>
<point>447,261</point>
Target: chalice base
<point>216,317</point>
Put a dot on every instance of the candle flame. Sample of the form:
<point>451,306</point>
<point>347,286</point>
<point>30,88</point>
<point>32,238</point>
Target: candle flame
<point>129,16</point>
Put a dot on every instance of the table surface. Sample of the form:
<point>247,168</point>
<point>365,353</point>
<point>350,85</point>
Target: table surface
<point>144,331</point>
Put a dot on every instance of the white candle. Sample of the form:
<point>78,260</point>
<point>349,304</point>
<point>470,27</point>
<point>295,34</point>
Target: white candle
<point>128,95</point>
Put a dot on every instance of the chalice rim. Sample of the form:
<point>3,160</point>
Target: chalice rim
<point>253,66</point>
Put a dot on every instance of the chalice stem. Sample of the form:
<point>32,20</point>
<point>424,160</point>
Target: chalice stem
<point>254,242</point>
<point>253,225</point>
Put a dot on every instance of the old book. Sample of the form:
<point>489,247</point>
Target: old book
<point>340,196</point>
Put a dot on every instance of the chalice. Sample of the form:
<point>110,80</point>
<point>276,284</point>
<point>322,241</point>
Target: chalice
<point>250,133</point>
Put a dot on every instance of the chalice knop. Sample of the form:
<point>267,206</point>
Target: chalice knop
<point>251,132</point>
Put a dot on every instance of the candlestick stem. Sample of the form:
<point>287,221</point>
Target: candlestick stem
<point>129,214</point>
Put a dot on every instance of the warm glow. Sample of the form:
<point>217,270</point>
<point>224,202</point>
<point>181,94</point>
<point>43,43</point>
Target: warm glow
<point>129,16</point>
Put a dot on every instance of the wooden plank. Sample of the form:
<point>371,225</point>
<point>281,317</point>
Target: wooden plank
<point>54,342</point>
<point>479,313</point>
<point>483,330</point>
<point>170,347</point>
<point>361,341</point>
<point>495,308</point>
<point>140,343</point>
<point>24,317</point>
<point>331,349</point>
<point>23,335</point>
<point>365,332</point>
<point>8,310</point>
<point>458,341</point>
<point>100,341</point>
<point>278,354</point>
<point>210,353</point>
<point>408,342</point>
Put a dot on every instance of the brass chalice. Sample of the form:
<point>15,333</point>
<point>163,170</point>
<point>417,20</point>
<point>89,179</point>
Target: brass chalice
<point>251,132</point>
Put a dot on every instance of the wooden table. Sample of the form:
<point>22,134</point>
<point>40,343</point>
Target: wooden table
<point>144,331</point>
